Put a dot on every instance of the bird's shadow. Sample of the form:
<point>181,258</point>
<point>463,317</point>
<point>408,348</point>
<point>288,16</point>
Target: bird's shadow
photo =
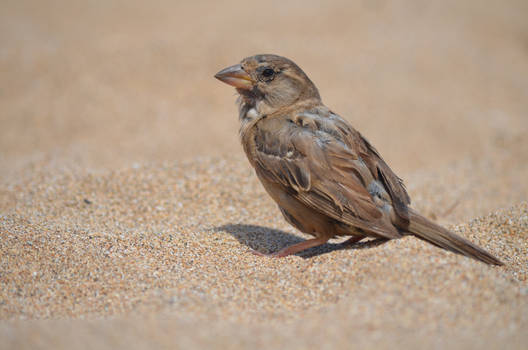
<point>268,240</point>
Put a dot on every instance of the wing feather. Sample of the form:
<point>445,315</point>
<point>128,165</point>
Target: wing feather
<point>321,171</point>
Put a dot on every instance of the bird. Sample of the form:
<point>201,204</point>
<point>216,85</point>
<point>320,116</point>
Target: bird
<point>326,178</point>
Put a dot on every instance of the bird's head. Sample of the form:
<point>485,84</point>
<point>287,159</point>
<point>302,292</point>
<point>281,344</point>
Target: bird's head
<point>271,82</point>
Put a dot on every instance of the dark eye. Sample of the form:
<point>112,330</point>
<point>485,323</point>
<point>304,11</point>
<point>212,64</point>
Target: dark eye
<point>268,72</point>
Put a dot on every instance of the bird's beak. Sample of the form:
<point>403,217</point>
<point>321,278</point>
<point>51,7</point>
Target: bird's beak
<point>235,76</point>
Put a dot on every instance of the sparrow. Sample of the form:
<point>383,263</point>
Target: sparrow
<point>326,178</point>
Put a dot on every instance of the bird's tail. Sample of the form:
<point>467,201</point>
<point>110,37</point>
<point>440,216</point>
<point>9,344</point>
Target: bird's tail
<point>427,230</point>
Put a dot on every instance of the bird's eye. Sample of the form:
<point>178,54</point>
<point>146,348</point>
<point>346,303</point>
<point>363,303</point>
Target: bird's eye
<point>268,72</point>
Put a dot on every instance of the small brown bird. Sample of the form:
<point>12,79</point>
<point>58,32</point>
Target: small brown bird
<point>327,179</point>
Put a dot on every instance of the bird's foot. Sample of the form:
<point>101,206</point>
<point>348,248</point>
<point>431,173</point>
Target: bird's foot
<point>269,255</point>
<point>293,249</point>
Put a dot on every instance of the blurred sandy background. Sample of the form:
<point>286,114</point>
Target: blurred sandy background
<point>109,111</point>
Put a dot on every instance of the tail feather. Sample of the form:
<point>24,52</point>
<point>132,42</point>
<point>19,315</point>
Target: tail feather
<point>439,236</point>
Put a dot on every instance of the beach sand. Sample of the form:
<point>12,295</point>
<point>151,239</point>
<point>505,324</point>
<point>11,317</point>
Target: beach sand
<point>128,210</point>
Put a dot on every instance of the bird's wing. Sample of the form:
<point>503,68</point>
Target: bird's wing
<point>311,158</point>
<point>379,169</point>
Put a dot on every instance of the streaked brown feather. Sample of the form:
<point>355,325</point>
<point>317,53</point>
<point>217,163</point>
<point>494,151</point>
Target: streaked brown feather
<point>320,169</point>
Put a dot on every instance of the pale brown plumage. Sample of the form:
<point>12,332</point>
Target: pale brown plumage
<point>327,179</point>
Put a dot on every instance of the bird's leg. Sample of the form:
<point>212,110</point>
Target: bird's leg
<point>310,243</point>
<point>352,240</point>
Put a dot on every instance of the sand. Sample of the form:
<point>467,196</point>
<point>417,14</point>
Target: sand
<point>128,210</point>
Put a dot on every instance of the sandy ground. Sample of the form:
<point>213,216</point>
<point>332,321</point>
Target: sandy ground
<point>127,209</point>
